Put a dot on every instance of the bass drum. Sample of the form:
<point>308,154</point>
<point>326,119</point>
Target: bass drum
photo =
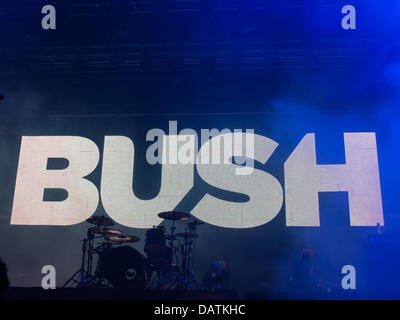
<point>124,267</point>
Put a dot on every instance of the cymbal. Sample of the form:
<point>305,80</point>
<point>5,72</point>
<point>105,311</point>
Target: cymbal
<point>101,221</point>
<point>174,215</point>
<point>186,235</point>
<point>122,238</point>
<point>104,231</point>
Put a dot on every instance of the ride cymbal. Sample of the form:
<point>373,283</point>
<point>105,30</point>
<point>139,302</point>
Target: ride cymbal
<point>101,221</point>
<point>174,215</point>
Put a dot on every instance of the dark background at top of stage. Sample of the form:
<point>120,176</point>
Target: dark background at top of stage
<point>284,68</point>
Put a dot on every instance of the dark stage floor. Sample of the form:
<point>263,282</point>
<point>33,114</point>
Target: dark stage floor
<point>114,294</point>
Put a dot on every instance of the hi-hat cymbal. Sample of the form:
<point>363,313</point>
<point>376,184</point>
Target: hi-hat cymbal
<point>122,238</point>
<point>174,215</point>
<point>186,235</point>
<point>101,221</point>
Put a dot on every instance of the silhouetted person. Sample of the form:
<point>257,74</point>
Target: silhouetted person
<point>302,278</point>
<point>4,282</point>
<point>217,276</point>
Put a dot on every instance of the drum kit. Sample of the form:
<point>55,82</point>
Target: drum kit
<point>108,261</point>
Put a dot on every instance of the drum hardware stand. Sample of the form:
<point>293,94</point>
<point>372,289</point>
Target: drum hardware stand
<point>171,277</point>
<point>90,253</point>
<point>100,281</point>
<point>84,276</point>
<point>188,257</point>
<point>188,271</point>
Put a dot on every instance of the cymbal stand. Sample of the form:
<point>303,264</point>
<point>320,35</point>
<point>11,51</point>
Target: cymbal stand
<point>82,272</point>
<point>172,277</point>
<point>189,255</point>
<point>100,281</point>
<point>90,236</point>
<point>86,278</point>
